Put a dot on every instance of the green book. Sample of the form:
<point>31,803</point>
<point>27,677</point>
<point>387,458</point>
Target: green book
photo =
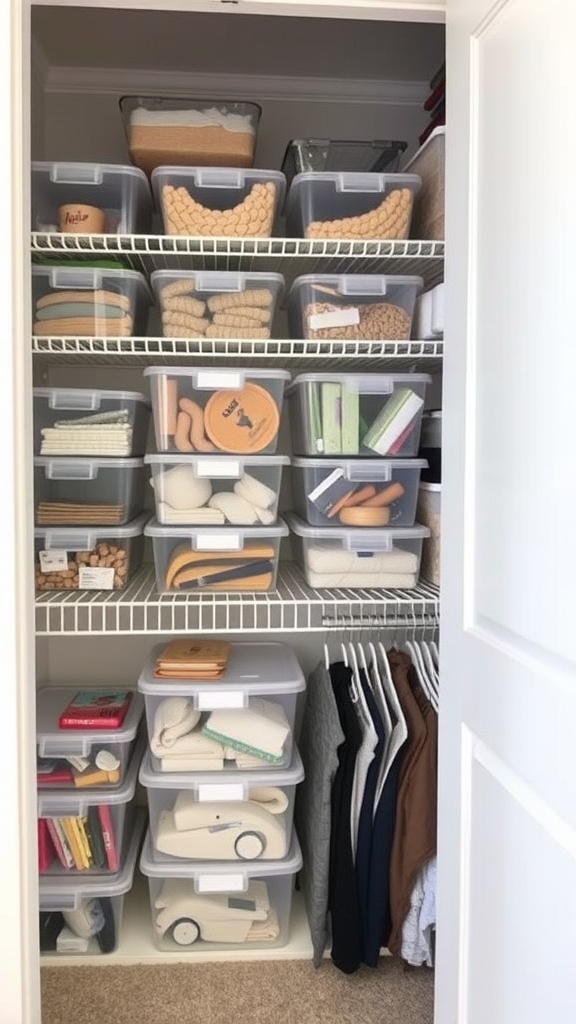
<point>393,421</point>
<point>332,417</point>
<point>350,419</point>
<point>94,836</point>
<point>315,442</point>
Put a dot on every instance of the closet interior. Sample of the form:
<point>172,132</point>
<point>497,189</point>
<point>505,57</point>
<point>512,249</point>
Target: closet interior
<point>311,78</point>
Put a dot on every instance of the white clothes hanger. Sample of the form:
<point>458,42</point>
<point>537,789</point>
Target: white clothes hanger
<point>380,696</point>
<point>399,733</point>
<point>417,661</point>
<point>432,672</point>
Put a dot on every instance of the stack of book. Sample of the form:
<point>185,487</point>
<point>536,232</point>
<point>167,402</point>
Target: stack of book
<point>79,842</point>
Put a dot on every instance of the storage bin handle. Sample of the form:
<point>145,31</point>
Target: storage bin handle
<point>216,177</point>
<point>365,473</point>
<point>358,183</point>
<point>60,901</point>
<point>72,541</point>
<point>223,541</point>
<point>221,883</point>
<point>79,278</point>
<point>368,547</point>
<point>76,400</point>
<point>76,174</point>
<point>360,285</point>
<point>219,282</point>
<point>73,471</point>
<point>221,469</point>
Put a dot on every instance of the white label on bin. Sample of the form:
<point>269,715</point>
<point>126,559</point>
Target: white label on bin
<point>222,699</point>
<point>348,317</point>
<point>219,379</point>
<point>53,561</point>
<point>218,542</point>
<point>221,883</point>
<point>224,468</point>
<point>95,578</point>
<point>233,791</point>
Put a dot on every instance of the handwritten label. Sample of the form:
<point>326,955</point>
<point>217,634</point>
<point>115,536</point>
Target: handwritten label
<point>53,561</point>
<point>348,317</point>
<point>95,578</point>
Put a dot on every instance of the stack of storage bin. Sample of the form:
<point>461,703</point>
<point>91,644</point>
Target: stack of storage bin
<point>221,773</point>
<point>216,475</point>
<point>89,831</point>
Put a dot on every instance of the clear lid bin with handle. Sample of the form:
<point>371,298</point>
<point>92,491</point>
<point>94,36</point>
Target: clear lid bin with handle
<point>347,205</point>
<point>120,194</point>
<point>88,558</point>
<point>87,492</point>
<point>362,307</point>
<point>90,422</point>
<point>221,305</point>
<point>88,302</point>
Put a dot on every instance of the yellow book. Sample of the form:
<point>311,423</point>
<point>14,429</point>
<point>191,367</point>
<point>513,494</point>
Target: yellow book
<point>81,823</point>
<point>74,843</point>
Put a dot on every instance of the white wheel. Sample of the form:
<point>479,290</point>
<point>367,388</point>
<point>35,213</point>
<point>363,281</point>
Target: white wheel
<point>185,932</point>
<point>249,845</point>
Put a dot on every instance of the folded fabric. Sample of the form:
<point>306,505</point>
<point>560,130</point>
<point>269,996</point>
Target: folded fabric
<point>252,568</point>
<point>339,561</point>
<point>190,516</point>
<point>384,580</point>
<point>174,718</point>
<point>87,326</point>
<point>190,763</point>
<point>78,309</point>
<point>68,512</point>
<point>260,730</point>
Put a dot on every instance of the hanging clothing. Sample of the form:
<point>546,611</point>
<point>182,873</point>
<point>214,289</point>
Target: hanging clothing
<point>364,838</point>
<point>364,759</point>
<point>378,921</point>
<point>417,929</point>
<point>320,737</point>
<point>343,896</point>
<point>414,842</point>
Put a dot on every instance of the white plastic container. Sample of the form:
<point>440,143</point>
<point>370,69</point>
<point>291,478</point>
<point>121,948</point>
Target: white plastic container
<point>87,492</point>
<point>223,490</point>
<point>105,750</point>
<point>428,323</point>
<point>356,492</point>
<point>354,558</point>
<point>81,904</point>
<point>254,671</point>
<point>203,558</point>
<point>218,201</point>
<point>189,132</point>
<point>339,414</point>
<point>332,204</point>
<point>97,558</point>
<point>234,411</point>
<point>129,410</point>
<point>216,304</point>
<point>238,816</point>
<point>429,513</point>
<point>88,302</point>
<point>219,906</point>
<point>366,307</point>
<point>428,163</point>
<point>122,193</point>
<point>105,811</point>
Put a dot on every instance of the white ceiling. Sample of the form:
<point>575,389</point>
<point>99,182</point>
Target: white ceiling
<point>102,38</point>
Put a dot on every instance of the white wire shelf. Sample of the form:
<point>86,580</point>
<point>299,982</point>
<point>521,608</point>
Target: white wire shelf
<point>292,607</point>
<point>290,257</point>
<point>382,355</point>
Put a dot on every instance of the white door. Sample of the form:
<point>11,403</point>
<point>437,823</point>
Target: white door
<point>507,855</point>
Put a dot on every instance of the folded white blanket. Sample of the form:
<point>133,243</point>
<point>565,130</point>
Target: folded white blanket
<point>384,580</point>
<point>190,764</point>
<point>260,730</point>
<point>340,561</point>
<point>209,118</point>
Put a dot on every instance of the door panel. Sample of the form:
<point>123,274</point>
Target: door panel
<point>507,852</point>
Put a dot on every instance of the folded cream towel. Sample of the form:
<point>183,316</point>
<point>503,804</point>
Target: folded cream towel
<point>338,561</point>
<point>382,580</point>
<point>174,718</point>
<point>260,730</point>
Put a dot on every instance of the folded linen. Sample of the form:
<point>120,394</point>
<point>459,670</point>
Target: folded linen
<point>339,561</point>
<point>260,730</point>
<point>383,580</point>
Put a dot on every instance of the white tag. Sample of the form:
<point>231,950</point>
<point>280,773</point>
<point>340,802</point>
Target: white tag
<point>218,542</point>
<point>221,883</point>
<point>228,468</point>
<point>219,699</point>
<point>79,763</point>
<point>349,317</point>
<point>53,561</point>
<point>215,792</point>
<point>95,577</point>
<point>219,379</point>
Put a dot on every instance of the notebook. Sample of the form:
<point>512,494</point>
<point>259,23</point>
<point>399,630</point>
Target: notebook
<point>393,420</point>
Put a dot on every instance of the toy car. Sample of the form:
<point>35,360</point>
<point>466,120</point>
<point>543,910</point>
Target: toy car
<point>224,917</point>
<point>231,830</point>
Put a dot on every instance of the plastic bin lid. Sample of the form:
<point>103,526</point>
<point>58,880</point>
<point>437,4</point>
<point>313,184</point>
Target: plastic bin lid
<point>255,669</point>
<point>369,380</point>
<point>233,874</point>
<point>87,460</point>
<point>221,378</point>
<point>227,536</point>
<point>54,742</point>
<point>355,181</point>
<point>75,802</point>
<point>89,277</point>
<point>70,173</point>
<point>217,280</point>
<point>289,776</point>
<point>216,464</point>
<point>71,393</point>
<point>64,892</point>
<point>361,281</point>
<point>68,536</point>
<point>365,534</point>
<point>366,464</point>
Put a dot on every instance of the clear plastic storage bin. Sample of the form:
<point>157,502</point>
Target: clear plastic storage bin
<point>87,492</point>
<point>352,558</point>
<point>429,513</point>
<point>220,304</point>
<point>93,757</point>
<point>428,163</point>
<point>360,492</point>
<point>357,413</point>
<point>196,490</point>
<point>120,195</point>
<point>194,559</point>
<point>88,302</point>
<point>240,816</point>
<point>205,410</point>
<point>87,827</point>
<point>189,132</point>
<point>217,201</point>
<point>339,205</point>
<point>374,155</point>
<point>88,421</point>
<point>367,307</point>
<point>99,558</point>
<point>261,682</point>
<point>83,916</point>
<point>219,906</point>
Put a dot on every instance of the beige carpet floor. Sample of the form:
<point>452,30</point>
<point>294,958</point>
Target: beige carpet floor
<point>281,992</point>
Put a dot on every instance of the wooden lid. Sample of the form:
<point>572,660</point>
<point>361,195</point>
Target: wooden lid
<point>242,422</point>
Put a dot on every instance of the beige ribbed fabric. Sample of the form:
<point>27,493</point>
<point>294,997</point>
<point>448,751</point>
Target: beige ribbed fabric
<point>282,992</point>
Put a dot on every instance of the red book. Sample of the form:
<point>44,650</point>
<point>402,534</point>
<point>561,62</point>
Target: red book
<point>62,852</point>
<point>107,827</point>
<point>96,709</point>
<point>46,852</point>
